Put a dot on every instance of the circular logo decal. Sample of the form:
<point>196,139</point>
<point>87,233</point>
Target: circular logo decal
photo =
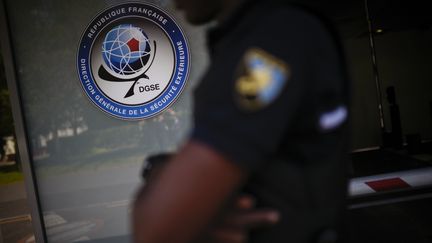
<point>133,61</point>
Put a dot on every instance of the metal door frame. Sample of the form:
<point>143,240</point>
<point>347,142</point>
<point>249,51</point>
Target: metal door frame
<point>20,128</point>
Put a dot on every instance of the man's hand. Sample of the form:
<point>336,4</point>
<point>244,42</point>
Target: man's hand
<point>186,196</point>
<point>239,218</point>
<point>235,225</point>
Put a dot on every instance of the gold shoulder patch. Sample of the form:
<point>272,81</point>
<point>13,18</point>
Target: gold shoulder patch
<point>261,78</point>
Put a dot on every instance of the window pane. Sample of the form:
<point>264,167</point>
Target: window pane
<point>87,164</point>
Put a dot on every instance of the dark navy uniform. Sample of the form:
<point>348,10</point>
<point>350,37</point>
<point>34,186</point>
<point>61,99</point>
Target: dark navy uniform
<point>274,101</point>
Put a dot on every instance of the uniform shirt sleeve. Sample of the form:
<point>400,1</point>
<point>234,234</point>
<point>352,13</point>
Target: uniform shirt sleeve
<point>250,136</point>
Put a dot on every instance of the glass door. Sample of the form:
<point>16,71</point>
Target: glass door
<point>86,163</point>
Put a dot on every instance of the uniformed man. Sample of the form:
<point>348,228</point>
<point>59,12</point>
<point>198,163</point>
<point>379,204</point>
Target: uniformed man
<point>270,119</point>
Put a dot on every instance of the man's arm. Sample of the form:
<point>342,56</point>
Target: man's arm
<point>186,196</point>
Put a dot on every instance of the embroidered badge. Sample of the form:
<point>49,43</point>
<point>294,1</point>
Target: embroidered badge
<point>261,80</point>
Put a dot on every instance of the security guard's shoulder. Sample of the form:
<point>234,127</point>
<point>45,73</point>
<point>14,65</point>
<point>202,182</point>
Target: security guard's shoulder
<point>277,22</point>
<point>277,49</point>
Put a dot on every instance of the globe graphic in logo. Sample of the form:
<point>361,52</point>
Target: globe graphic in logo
<point>126,49</point>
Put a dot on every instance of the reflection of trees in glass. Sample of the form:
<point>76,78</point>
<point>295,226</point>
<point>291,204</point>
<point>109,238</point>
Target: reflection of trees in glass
<point>7,133</point>
<point>44,78</point>
<point>64,127</point>
<point>6,120</point>
<point>53,101</point>
<point>166,131</point>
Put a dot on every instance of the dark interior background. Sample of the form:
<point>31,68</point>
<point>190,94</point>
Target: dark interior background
<point>404,58</point>
<point>403,37</point>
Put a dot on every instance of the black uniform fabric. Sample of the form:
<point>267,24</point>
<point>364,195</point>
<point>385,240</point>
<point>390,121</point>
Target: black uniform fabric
<point>296,163</point>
